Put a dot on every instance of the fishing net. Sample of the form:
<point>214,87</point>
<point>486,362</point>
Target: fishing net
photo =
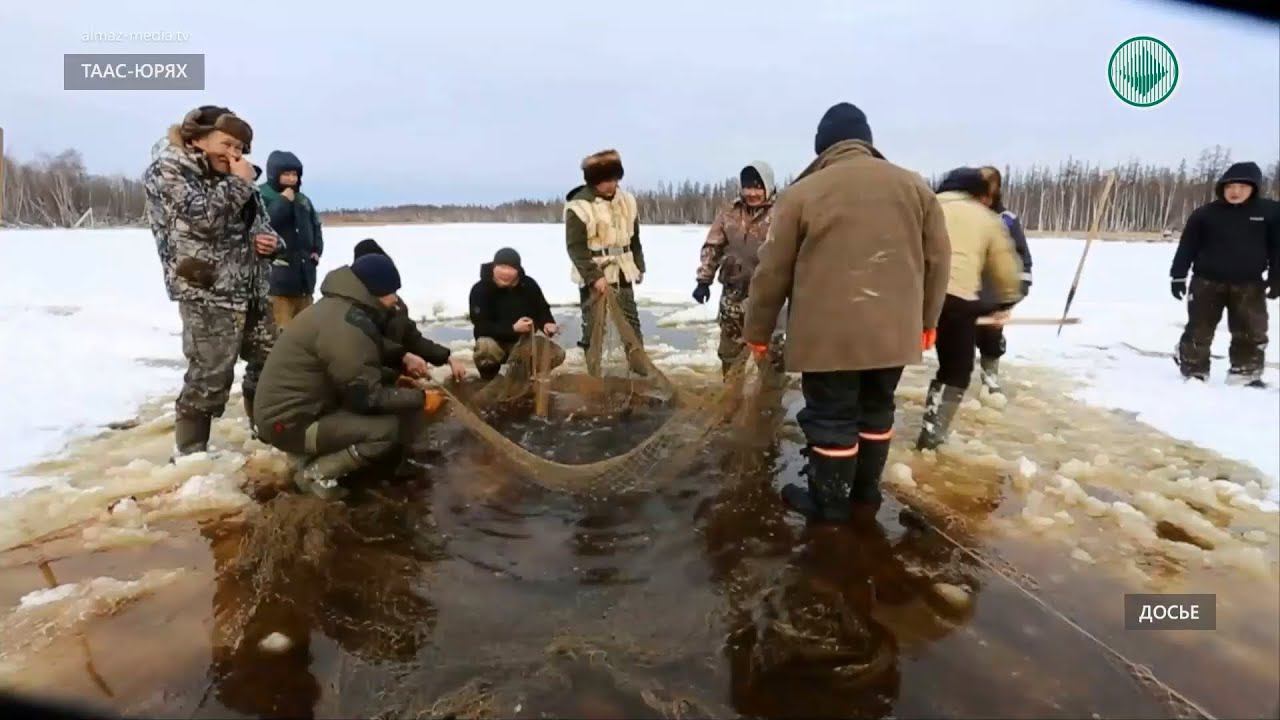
<point>621,380</point>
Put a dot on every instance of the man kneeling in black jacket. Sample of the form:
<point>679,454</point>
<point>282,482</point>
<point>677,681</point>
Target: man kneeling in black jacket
<point>1227,245</point>
<point>506,306</point>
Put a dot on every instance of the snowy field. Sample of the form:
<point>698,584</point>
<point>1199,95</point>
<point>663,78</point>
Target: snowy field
<point>87,334</point>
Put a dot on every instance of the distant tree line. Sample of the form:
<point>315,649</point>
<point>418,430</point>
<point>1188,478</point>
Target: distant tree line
<point>57,191</point>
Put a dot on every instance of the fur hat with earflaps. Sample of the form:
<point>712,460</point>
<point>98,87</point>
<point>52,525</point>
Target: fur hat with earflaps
<point>602,166</point>
<point>207,118</point>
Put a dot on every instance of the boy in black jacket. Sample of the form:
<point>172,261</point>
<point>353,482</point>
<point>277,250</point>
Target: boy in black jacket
<point>1228,244</point>
<point>507,305</point>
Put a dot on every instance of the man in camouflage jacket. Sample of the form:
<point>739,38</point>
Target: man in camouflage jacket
<point>732,248</point>
<point>215,244</point>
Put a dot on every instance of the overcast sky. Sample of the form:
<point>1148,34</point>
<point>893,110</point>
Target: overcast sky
<point>426,101</point>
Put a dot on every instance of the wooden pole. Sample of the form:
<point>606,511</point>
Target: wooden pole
<point>541,387</point>
<point>1100,207</point>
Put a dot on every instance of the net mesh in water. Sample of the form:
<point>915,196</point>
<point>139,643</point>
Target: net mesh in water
<point>621,377</point>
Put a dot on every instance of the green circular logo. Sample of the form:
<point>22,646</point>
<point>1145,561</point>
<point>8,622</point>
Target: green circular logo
<point>1143,71</point>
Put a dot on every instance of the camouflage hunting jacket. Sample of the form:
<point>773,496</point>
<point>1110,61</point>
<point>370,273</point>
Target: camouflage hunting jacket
<point>733,244</point>
<point>204,223</point>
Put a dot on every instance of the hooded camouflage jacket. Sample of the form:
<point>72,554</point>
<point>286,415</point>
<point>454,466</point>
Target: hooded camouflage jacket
<point>733,243</point>
<point>204,223</point>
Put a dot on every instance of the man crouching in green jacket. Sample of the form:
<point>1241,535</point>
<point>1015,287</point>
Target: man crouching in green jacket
<point>328,391</point>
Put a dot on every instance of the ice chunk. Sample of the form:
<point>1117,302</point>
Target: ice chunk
<point>44,597</point>
<point>127,512</point>
<point>1256,536</point>
<point>1249,559</point>
<point>101,538</point>
<point>1101,460</point>
<point>1082,555</point>
<point>275,643</point>
<point>954,595</point>
<point>1075,469</point>
<point>1245,502</point>
<point>1069,490</point>
<point>1038,522</point>
<point>971,405</point>
<point>996,401</point>
<point>1121,509</point>
<point>1027,468</point>
<point>900,475</point>
<point>1064,517</point>
<point>1226,488</point>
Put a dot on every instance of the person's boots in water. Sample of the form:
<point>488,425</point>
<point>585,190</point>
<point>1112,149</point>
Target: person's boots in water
<point>830,479</point>
<point>941,405</point>
<point>191,433</point>
<point>990,375</point>
<point>320,475</point>
<point>873,453</point>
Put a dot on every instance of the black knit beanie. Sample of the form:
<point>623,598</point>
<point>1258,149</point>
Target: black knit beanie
<point>378,274</point>
<point>844,121</point>
<point>507,256</point>
<point>368,246</point>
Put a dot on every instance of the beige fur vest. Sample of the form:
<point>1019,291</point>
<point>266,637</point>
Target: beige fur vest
<point>610,225</point>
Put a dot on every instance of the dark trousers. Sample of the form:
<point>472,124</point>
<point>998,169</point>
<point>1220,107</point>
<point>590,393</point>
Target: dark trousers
<point>957,335</point>
<point>990,341</point>
<point>840,405</point>
<point>1246,306</point>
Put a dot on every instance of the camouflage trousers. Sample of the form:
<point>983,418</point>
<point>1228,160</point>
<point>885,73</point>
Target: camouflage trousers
<point>732,313</point>
<point>1246,307</point>
<point>213,338</point>
<point>490,355</point>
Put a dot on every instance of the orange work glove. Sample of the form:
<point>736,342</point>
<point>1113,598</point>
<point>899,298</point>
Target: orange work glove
<point>432,401</point>
<point>758,351</point>
<point>928,339</point>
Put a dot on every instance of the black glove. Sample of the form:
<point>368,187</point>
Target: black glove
<point>702,293</point>
<point>1178,288</point>
<point>1026,288</point>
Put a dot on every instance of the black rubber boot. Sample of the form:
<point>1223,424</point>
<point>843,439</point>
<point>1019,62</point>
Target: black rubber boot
<point>832,481</point>
<point>940,408</point>
<point>191,433</point>
<point>872,456</point>
<point>799,499</point>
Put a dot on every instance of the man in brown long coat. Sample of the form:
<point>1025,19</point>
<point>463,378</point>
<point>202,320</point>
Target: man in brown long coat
<point>859,247</point>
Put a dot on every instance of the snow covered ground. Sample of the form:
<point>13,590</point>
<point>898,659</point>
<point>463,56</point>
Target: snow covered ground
<point>87,334</point>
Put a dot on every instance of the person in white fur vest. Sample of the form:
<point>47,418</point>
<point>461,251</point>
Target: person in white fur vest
<point>602,234</point>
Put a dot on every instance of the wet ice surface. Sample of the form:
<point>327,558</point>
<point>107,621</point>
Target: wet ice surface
<point>201,589</point>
